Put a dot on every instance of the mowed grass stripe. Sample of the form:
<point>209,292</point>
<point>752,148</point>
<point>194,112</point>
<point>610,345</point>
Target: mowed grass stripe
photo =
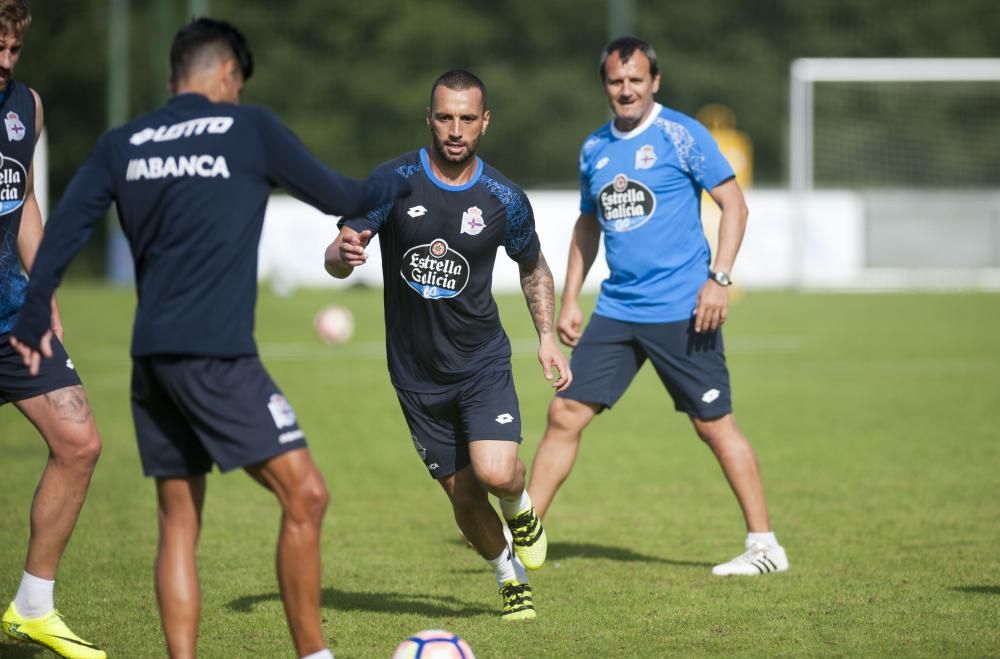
<point>874,417</point>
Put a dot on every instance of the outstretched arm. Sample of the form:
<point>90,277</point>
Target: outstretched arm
<point>536,282</point>
<point>582,252</point>
<point>712,307</point>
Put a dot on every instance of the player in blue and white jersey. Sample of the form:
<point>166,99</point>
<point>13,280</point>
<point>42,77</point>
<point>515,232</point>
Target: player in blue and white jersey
<point>191,182</point>
<point>641,179</point>
<point>449,357</point>
<point>54,401</point>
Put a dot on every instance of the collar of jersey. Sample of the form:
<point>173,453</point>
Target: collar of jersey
<point>425,161</point>
<point>647,122</point>
<point>6,92</point>
<point>188,97</point>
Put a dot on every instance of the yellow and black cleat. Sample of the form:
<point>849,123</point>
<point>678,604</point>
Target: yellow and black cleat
<point>50,632</point>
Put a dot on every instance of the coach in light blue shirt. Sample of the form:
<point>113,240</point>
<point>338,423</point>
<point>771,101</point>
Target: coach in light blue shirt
<point>641,178</point>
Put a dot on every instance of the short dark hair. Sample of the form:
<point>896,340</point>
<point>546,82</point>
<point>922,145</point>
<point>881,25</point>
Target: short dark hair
<point>626,47</point>
<point>459,80</point>
<point>15,17</point>
<point>199,36</point>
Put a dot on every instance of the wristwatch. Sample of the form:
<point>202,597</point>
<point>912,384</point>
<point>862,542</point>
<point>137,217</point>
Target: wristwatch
<point>720,278</point>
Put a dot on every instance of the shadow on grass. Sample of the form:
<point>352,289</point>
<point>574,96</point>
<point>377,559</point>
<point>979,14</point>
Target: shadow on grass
<point>431,606</point>
<point>562,550</point>
<point>978,590</point>
<point>22,651</point>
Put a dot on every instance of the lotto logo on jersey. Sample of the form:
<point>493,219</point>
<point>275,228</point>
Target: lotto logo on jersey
<point>13,177</point>
<point>625,204</point>
<point>435,271</point>
<point>211,125</point>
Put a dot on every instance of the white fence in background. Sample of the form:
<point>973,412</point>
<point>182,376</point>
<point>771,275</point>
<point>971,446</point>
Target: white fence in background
<point>831,231</point>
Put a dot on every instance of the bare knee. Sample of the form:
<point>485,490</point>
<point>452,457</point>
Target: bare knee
<point>308,501</point>
<point>567,418</point>
<point>78,448</point>
<point>497,478</point>
<point>718,432</point>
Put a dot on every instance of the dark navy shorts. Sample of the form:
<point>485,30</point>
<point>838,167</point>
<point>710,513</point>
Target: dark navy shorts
<point>191,412</point>
<point>442,424</point>
<point>16,383</point>
<point>691,366</point>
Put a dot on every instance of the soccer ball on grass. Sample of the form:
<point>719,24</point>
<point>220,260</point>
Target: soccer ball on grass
<point>434,644</point>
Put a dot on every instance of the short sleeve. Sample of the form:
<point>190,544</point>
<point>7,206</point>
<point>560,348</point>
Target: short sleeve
<point>700,155</point>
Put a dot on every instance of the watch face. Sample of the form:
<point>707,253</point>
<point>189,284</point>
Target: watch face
<point>721,278</point>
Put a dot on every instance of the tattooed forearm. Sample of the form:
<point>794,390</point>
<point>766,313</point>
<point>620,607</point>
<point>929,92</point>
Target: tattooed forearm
<point>70,404</point>
<point>536,282</point>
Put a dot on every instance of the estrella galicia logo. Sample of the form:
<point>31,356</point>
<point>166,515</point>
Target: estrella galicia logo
<point>13,178</point>
<point>435,270</point>
<point>626,204</point>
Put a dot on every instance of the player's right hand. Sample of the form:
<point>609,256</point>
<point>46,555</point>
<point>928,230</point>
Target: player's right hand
<point>570,322</point>
<point>33,358</point>
<point>352,248</point>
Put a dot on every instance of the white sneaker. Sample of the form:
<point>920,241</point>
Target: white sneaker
<point>757,559</point>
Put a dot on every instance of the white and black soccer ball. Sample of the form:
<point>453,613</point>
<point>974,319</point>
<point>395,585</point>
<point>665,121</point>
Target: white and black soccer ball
<point>334,324</point>
<point>434,644</point>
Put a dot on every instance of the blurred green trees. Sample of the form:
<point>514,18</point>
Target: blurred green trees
<point>352,78</point>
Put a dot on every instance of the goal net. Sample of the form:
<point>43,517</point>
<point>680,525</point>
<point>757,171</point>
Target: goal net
<point>918,142</point>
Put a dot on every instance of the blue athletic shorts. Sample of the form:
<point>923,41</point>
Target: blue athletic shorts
<point>442,424</point>
<point>16,383</point>
<point>193,412</point>
<point>691,366</point>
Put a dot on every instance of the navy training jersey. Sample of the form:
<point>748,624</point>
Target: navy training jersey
<point>439,245</point>
<point>191,182</point>
<point>17,145</point>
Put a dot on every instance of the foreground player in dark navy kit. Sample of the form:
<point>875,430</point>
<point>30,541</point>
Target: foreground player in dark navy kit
<point>191,182</point>
<point>449,357</point>
<point>54,401</point>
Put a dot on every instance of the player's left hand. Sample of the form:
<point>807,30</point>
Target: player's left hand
<point>712,308</point>
<point>555,366</point>
<point>33,358</point>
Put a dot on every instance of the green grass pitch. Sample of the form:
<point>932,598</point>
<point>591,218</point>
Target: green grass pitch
<point>875,418</point>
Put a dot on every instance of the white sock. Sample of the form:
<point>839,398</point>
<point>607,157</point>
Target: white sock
<point>762,539</point>
<point>510,508</point>
<point>503,566</point>
<point>519,570</point>
<point>322,654</point>
<point>34,596</point>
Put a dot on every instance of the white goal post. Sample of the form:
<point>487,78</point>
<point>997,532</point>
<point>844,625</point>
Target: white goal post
<point>804,153</point>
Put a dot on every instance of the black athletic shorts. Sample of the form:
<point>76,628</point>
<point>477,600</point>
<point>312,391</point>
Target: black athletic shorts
<point>191,412</point>
<point>691,366</point>
<point>16,383</point>
<point>442,424</point>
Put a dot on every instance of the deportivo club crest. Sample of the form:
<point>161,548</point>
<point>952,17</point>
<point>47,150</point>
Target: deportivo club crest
<point>434,270</point>
<point>625,204</point>
<point>472,221</point>
<point>645,157</point>
<point>15,129</point>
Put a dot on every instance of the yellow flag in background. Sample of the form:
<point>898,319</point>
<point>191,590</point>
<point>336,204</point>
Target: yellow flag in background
<point>737,149</point>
